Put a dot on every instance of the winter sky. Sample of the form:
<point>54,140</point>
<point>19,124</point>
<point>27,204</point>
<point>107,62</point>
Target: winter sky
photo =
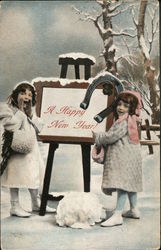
<point>34,33</point>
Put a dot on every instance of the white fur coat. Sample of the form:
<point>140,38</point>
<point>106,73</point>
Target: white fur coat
<point>23,170</point>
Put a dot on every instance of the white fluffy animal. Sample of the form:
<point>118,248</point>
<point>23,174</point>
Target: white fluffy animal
<point>79,210</point>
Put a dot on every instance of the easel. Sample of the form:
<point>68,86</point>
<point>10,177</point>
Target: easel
<point>85,147</point>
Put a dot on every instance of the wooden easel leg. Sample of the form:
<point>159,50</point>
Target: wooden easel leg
<point>86,166</point>
<point>63,73</point>
<point>87,71</point>
<point>44,198</point>
<point>77,73</point>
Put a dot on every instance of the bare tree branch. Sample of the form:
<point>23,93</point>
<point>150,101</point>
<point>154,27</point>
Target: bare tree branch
<point>118,12</point>
<point>127,46</point>
<point>100,2</point>
<point>149,69</point>
<point>122,33</point>
<point>144,95</point>
<point>133,17</point>
<point>128,58</point>
<point>113,8</point>
<point>88,17</point>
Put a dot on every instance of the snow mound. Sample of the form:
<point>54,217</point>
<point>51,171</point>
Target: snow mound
<point>79,210</point>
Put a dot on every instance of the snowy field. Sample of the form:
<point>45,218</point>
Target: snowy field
<point>42,232</point>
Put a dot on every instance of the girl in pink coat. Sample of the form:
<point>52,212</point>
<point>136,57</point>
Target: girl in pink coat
<point>123,163</point>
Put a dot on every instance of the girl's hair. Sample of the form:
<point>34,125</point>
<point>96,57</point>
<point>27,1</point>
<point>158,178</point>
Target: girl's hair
<point>130,99</point>
<point>12,99</point>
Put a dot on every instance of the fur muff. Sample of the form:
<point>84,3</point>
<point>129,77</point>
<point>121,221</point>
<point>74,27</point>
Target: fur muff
<point>98,154</point>
<point>23,142</point>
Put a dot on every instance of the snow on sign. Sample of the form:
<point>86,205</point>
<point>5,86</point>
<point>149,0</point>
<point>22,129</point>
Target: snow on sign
<point>58,104</point>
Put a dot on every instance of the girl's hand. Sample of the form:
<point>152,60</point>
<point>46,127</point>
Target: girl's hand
<point>28,109</point>
<point>21,105</point>
<point>93,135</point>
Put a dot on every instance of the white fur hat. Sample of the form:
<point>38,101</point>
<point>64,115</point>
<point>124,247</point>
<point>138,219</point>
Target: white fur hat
<point>18,84</point>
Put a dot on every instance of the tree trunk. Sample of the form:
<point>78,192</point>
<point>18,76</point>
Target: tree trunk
<point>150,70</point>
<point>109,51</point>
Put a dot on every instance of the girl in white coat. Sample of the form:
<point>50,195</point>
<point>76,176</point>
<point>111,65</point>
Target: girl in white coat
<point>22,170</point>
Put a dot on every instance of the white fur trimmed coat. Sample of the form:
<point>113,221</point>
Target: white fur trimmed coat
<point>123,162</point>
<point>23,170</point>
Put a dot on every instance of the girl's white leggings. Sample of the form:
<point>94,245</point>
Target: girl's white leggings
<point>14,194</point>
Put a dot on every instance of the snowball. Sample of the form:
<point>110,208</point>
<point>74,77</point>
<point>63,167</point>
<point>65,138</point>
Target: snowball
<point>79,210</point>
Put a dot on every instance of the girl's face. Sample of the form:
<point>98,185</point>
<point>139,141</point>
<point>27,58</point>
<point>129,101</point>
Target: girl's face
<point>24,98</point>
<point>122,108</point>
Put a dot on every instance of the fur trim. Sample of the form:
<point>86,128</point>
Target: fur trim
<point>6,150</point>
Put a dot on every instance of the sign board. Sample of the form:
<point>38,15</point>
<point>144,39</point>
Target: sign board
<point>59,106</point>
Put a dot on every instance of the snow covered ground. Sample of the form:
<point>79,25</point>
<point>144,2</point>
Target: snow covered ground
<point>42,232</point>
